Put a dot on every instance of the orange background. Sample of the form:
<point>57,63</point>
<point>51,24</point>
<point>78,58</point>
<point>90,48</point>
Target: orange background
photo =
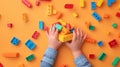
<point>11,11</point>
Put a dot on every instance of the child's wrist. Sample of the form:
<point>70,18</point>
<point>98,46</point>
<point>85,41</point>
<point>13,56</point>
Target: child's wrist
<point>76,53</point>
<point>53,47</point>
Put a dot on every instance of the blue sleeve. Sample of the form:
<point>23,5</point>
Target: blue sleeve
<point>81,61</point>
<point>49,58</point>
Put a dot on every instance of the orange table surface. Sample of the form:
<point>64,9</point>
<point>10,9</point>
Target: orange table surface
<point>12,10</point>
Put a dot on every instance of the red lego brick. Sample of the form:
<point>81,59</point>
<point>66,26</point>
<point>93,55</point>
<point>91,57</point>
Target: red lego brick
<point>118,14</point>
<point>46,28</point>
<point>1,65</point>
<point>35,35</point>
<point>112,43</point>
<point>68,6</point>
<point>68,26</point>
<point>9,25</point>
<point>91,56</point>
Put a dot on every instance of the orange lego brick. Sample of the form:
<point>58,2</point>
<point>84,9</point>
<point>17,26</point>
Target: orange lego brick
<point>106,16</point>
<point>90,40</point>
<point>11,55</point>
<point>59,15</point>
<point>87,24</point>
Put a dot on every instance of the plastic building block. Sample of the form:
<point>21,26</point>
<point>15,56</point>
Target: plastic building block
<point>99,3</point>
<point>46,28</point>
<point>49,10</point>
<point>30,44</point>
<point>100,43</point>
<point>91,27</point>
<point>102,56</point>
<point>106,16</point>
<point>71,30</point>
<point>15,41</point>
<point>11,55</point>
<point>108,33</point>
<point>87,24</point>
<point>68,6</point>
<point>62,22</point>
<point>54,12</point>
<point>25,17</point>
<point>114,25</point>
<point>64,31</point>
<point>75,14</point>
<point>90,40</point>
<point>82,3</point>
<point>37,2</point>
<point>110,2</point>
<point>21,65</point>
<point>59,15</point>
<point>115,61</point>
<point>41,25</point>
<point>58,27</point>
<point>91,56</point>
<point>93,5</point>
<point>26,3</point>
<point>113,43</point>
<point>64,38</point>
<point>68,26</point>
<point>9,25</point>
<point>96,16</point>
<point>1,65</point>
<point>118,14</point>
<point>30,57</point>
<point>35,35</point>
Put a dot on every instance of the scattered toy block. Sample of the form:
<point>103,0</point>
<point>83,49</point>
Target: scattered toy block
<point>99,3</point>
<point>106,16</point>
<point>64,31</point>
<point>102,56</point>
<point>114,25</point>
<point>49,10</point>
<point>93,5</point>
<point>26,3</point>
<point>25,17</point>
<point>54,12</point>
<point>62,22</point>
<point>118,14</point>
<point>59,15</point>
<point>35,35</point>
<point>64,38</point>
<point>113,43</point>
<point>91,56</point>
<point>110,2</point>
<point>100,43</point>
<point>46,28</point>
<point>1,65</point>
<point>91,27</point>
<point>68,6</point>
<point>87,24</point>
<point>15,41</point>
<point>41,25</point>
<point>75,14</point>
<point>115,61</point>
<point>71,30</point>
<point>68,26</point>
<point>82,3</point>
<point>30,44</point>
<point>30,57</point>
<point>108,33</point>
<point>96,16</point>
<point>9,25</point>
<point>37,2</point>
<point>58,27</point>
<point>11,55</point>
<point>90,40</point>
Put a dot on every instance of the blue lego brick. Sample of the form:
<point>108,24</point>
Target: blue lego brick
<point>93,5</point>
<point>110,2</point>
<point>71,31</point>
<point>100,43</point>
<point>41,25</point>
<point>30,44</point>
<point>15,41</point>
<point>58,27</point>
<point>96,16</point>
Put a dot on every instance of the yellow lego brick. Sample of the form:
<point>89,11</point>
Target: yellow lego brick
<point>64,31</point>
<point>25,17</point>
<point>62,22</point>
<point>54,12</point>
<point>99,3</point>
<point>82,3</point>
<point>64,38</point>
<point>49,10</point>
<point>75,14</point>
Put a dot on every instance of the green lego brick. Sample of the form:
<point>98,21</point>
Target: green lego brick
<point>102,56</point>
<point>115,61</point>
<point>58,27</point>
<point>91,27</point>
<point>30,57</point>
<point>114,25</point>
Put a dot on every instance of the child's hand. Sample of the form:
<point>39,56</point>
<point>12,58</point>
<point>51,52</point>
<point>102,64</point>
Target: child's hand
<point>52,35</point>
<point>76,42</point>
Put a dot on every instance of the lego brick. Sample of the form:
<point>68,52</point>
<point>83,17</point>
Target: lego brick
<point>62,22</point>
<point>75,14</point>
<point>25,17</point>
<point>41,25</point>
<point>64,31</point>
<point>110,2</point>
<point>114,25</point>
<point>1,65</point>
<point>93,5</point>
<point>35,35</point>
<point>106,16</point>
<point>100,43</point>
<point>113,43</point>
<point>54,12</point>
<point>99,3</point>
<point>87,24</point>
<point>102,56</point>
<point>26,3</point>
<point>71,30</point>
<point>49,10</point>
<point>90,40</point>
<point>115,61</point>
<point>91,27</point>
<point>11,55</point>
<point>68,26</point>
<point>91,56</point>
<point>96,16</point>
<point>68,6</point>
<point>58,27</point>
<point>118,14</point>
<point>30,57</point>
<point>46,28</point>
<point>59,15</point>
<point>82,3</point>
<point>15,41</point>
<point>37,2</point>
<point>64,38</point>
<point>30,44</point>
<point>9,25</point>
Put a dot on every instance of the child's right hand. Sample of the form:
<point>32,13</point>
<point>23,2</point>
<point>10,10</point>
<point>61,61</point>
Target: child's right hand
<point>76,43</point>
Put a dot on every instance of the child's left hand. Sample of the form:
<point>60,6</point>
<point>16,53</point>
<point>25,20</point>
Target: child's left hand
<point>52,35</point>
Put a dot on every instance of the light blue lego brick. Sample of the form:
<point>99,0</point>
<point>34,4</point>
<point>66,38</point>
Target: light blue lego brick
<point>96,16</point>
<point>93,5</point>
<point>15,41</point>
<point>58,27</point>
<point>30,44</point>
<point>110,2</point>
<point>100,43</point>
<point>41,25</point>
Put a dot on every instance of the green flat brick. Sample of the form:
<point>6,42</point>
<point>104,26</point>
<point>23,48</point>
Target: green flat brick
<point>102,56</point>
<point>115,61</point>
<point>114,25</point>
<point>91,27</point>
<point>58,27</point>
<point>30,57</point>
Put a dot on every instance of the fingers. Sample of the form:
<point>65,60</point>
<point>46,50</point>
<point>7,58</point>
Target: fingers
<point>53,28</point>
<point>56,33</point>
<point>50,29</point>
<point>84,37</point>
<point>47,33</point>
<point>74,36</point>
